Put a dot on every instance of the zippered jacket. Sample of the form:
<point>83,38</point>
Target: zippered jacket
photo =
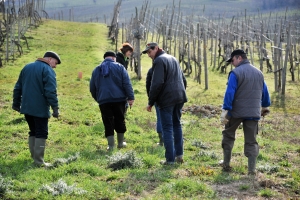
<point>35,90</point>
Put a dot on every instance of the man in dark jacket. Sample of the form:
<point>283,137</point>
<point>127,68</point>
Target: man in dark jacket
<point>34,93</point>
<point>167,90</point>
<point>158,120</point>
<point>246,100</point>
<point>110,86</point>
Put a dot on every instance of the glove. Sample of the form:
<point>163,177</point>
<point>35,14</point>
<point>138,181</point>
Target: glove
<point>16,108</point>
<point>130,102</point>
<point>223,118</point>
<point>55,112</point>
<point>265,111</point>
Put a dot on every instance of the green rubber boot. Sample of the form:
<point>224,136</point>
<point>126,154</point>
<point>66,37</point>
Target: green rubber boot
<point>121,143</point>
<point>226,161</point>
<point>251,165</point>
<point>31,142</point>
<point>110,142</point>
<point>39,151</point>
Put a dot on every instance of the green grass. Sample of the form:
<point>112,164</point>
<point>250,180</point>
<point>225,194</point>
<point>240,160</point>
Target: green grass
<point>79,131</point>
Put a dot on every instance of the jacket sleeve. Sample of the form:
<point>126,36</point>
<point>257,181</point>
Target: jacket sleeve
<point>184,81</point>
<point>127,85</point>
<point>92,86</point>
<point>230,92</point>
<point>157,83</point>
<point>265,99</point>
<point>50,92</point>
<point>17,93</point>
<point>148,80</point>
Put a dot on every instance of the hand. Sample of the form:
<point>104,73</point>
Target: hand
<point>130,102</point>
<point>16,108</point>
<point>223,118</point>
<point>149,108</point>
<point>55,112</point>
<point>265,111</point>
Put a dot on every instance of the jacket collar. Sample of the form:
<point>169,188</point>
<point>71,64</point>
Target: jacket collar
<point>44,60</point>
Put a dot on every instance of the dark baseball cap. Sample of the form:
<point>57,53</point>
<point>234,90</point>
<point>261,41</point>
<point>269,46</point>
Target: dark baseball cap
<point>148,46</point>
<point>235,53</point>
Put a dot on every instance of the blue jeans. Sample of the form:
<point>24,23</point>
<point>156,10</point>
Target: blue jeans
<point>158,120</point>
<point>172,131</point>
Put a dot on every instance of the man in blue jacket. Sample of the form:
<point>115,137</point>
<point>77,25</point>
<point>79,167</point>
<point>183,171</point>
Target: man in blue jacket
<point>167,90</point>
<point>110,86</point>
<point>34,93</point>
<point>246,100</point>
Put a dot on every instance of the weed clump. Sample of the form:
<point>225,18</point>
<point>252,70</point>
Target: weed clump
<point>62,161</point>
<point>268,169</point>
<point>127,160</point>
<point>61,187</point>
<point>5,185</point>
<point>199,144</point>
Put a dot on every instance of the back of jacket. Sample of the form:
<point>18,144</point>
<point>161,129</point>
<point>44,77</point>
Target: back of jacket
<point>110,83</point>
<point>35,90</point>
<point>247,99</point>
<point>167,84</point>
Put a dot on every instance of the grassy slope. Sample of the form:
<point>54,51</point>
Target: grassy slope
<point>80,129</point>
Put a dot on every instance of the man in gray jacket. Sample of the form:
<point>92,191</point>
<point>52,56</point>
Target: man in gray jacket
<point>246,99</point>
<point>167,90</point>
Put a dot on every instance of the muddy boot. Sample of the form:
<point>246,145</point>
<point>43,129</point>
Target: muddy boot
<point>31,142</point>
<point>226,161</point>
<point>110,142</point>
<point>121,143</point>
<point>39,151</point>
<point>251,165</point>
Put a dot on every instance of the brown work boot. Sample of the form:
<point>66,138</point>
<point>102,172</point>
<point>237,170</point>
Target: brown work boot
<point>226,168</point>
<point>179,159</point>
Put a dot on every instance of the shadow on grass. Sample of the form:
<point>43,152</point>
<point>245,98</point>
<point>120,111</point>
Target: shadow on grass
<point>16,121</point>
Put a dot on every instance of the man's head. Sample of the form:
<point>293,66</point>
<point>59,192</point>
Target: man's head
<point>126,49</point>
<point>53,58</point>
<point>110,54</point>
<point>237,56</point>
<point>151,49</point>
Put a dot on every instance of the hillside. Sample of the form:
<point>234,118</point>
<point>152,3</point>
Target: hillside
<point>102,10</point>
<point>77,146</point>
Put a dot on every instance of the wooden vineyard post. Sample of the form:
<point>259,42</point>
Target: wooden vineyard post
<point>286,59</point>
<point>205,60</point>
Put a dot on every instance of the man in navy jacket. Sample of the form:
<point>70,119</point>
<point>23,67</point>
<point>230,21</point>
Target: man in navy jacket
<point>110,86</point>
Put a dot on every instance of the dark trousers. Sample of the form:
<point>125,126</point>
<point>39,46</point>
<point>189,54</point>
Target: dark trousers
<point>250,128</point>
<point>113,117</point>
<point>38,126</point>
